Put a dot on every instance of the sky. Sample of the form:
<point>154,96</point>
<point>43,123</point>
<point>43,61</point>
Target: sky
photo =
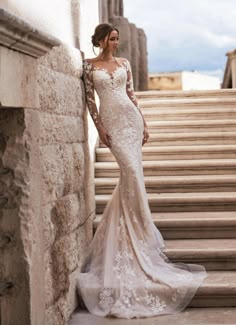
<point>189,35</point>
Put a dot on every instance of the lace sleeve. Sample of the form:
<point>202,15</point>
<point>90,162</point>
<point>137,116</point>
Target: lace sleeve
<point>89,91</point>
<point>130,88</point>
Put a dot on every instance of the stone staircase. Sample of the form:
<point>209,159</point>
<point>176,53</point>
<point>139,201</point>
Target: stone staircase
<point>190,176</point>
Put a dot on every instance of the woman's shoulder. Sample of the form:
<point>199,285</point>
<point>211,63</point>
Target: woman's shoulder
<point>125,63</point>
<point>122,60</point>
<point>88,65</point>
<point>89,60</point>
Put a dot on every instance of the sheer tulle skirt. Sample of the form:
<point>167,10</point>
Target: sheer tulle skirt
<point>125,272</point>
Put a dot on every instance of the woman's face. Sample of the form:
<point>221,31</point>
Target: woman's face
<point>111,44</point>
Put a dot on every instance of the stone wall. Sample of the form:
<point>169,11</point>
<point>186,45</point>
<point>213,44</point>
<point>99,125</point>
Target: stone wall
<point>46,187</point>
<point>21,266</point>
<point>67,212</point>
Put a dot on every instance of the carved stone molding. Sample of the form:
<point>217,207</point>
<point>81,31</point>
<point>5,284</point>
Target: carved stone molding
<point>19,35</point>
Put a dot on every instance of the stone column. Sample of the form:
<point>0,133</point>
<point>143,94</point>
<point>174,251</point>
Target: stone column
<point>103,11</point>
<point>233,70</point>
<point>124,45</point>
<point>229,79</point>
<point>135,54</point>
<point>143,71</point>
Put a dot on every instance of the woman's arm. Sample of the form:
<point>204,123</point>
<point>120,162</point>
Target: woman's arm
<point>92,107</point>
<point>130,88</point>
<point>89,91</point>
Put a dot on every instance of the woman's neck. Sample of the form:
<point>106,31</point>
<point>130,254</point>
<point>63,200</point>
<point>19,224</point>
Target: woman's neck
<point>107,57</point>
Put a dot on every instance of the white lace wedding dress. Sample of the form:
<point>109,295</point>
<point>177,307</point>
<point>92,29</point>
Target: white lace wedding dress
<point>125,273</point>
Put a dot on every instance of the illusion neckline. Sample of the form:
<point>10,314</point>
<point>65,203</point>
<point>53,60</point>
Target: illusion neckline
<point>110,74</point>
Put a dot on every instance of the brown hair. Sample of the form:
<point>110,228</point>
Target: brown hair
<point>100,33</point>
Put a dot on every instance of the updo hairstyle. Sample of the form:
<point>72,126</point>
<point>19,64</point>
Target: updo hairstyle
<point>100,33</point>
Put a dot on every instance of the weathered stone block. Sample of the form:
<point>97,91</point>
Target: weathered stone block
<point>84,237</point>
<point>17,80</point>
<point>65,254</point>
<point>65,59</point>
<point>60,260</point>
<point>49,228</point>
<point>49,282</point>
<point>60,129</point>
<point>22,263</point>
<point>54,315</point>
<point>62,173</point>
<point>60,311</point>
<point>69,213</point>
<point>78,177</point>
<point>60,93</point>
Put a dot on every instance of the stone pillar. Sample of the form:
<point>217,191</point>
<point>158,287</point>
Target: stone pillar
<point>75,16</point>
<point>122,24</point>
<point>143,72</point>
<point>135,54</point>
<point>229,79</point>
<point>103,11</point>
<point>133,43</point>
<point>233,70</point>
<point>118,8</point>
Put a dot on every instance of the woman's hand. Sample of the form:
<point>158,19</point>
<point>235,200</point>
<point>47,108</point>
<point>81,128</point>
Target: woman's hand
<point>104,136</point>
<point>145,135</point>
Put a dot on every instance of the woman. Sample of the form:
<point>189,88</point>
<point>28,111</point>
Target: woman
<point>125,273</point>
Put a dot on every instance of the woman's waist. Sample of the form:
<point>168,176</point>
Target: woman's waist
<point>116,100</point>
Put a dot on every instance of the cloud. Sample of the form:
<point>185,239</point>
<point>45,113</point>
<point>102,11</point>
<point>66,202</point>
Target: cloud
<point>185,34</point>
<point>220,40</point>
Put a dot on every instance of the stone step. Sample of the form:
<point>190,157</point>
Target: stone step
<point>177,184</point>
<point>177,152</point>
<point>216,94</point>
<point>176,202</point>
<point>183,126</point>
<point>190,316</point>
<point>214,254</point>
<point>189,225</point>
<point>190,103</point>
<point>188,138</point>
<point>189,114</point>
<point>172,167</point>
<point>218,290</point>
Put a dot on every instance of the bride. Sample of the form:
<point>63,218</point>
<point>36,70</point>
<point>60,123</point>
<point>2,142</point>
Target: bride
<point>125,272</point>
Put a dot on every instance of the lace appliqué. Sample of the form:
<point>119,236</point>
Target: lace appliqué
<point>130,84</point>
<point>89,91</point>
<point>122,265</point>
<point>106,300</point>
<point>154,303</point>
<point>126,275</point>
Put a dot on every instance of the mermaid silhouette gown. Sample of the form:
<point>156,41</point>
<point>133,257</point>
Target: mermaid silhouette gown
<point>125,273</point>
